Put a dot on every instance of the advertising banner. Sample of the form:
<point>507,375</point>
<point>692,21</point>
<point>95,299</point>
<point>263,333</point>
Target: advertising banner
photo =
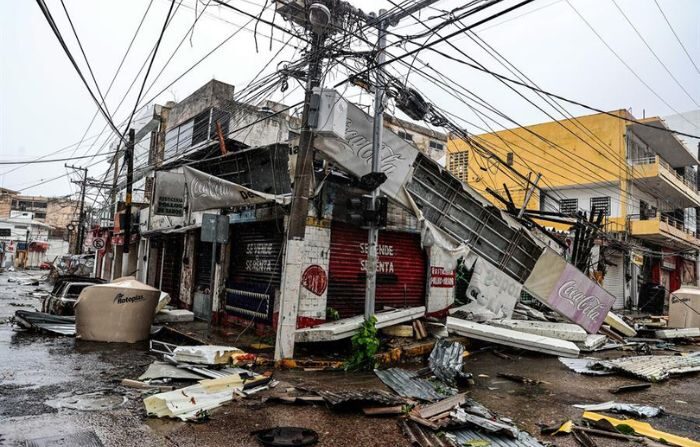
<point>207,192</point>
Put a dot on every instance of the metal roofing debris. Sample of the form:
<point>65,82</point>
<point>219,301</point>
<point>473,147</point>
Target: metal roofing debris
<point>489,425</point>
<point>447,361</point>
<point>678,333</point>
<point>161,370</point>
<point>644,411</point>
<point>347,327</point>
<point>510,337</point>
<point>644,429</point>
<point>465,435</point>
<point>419,436</point>
<point>406,384</point>
<point>562,331</point>
<point>581,366</point>
<point>653,368</point>
<point>360,398</point>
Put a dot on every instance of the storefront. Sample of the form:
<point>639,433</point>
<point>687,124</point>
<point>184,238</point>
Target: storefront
<point>255,269</point>
<point>401,270</point>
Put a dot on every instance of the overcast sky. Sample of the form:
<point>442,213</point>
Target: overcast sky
<point>44,107</point>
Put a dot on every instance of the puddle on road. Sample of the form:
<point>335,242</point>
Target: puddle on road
<point>88,402</point>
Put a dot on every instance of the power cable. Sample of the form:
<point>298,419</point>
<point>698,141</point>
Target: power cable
<point>678,39</point>
<point>622,61</point>
<point>656,56</point>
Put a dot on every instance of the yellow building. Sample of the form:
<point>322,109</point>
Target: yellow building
<point>638,172</point>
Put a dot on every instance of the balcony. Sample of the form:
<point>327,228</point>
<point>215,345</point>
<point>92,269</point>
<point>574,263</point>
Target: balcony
<point>663,230</point>
<point>656,176</point>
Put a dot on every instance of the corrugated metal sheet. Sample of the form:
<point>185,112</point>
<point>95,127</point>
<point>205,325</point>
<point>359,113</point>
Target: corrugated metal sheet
<point>401,270</point>
<point>406,384</point>
<point>361,398</point>
<point>420,436</point>
<point>653,368</point>
<point>447,360</point>
<point>255,269</point>
<point>523,440</point>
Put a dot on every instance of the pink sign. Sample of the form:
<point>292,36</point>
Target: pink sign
<point>580,299</point>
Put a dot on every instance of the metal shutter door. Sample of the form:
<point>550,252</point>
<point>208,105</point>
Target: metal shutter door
<point>400,271</point>
<point>613,281</point>
<point>256,269</point>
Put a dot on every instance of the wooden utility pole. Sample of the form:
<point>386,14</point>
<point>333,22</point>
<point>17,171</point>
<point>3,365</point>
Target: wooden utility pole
<point>129,161</point>
<point>81,215</point>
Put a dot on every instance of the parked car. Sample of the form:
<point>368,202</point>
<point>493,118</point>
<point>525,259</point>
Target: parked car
<point>64,295</point>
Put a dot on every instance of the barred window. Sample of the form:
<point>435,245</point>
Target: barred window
<point>568,206</point>
<point>601,203</point>
<point>457,164</point>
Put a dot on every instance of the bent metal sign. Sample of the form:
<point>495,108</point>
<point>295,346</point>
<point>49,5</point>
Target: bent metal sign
<point>562,287</point>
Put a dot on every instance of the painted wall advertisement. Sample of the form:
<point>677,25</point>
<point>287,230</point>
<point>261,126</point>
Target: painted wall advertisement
<point>565,289</point>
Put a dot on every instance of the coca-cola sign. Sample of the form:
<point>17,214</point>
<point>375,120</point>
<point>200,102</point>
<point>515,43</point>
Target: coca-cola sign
<point>568,291</point>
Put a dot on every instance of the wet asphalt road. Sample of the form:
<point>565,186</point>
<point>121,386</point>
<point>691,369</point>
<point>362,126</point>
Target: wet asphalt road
<point>36,369</point>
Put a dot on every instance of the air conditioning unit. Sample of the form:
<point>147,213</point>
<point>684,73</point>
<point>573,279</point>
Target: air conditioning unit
<point>329,113</point>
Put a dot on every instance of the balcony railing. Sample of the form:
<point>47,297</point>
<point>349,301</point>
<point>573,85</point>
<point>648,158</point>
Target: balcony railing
<point>656,159</point>
<point>670,221</point>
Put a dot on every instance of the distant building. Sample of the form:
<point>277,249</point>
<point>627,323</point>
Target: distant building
<point>428,141</point>
<point>639,173</point>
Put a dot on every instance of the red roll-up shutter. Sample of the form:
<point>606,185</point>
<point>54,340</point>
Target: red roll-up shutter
<point>400,270</point>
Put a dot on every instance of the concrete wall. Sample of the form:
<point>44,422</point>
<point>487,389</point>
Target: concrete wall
<point>212,94</point>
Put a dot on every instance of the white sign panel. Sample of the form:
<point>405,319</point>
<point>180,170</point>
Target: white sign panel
<point>354,153</point>
<point>492,289</point>
<point>207,192</point>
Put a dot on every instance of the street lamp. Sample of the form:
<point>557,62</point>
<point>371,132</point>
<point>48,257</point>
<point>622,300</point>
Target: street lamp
<point>319,17</point>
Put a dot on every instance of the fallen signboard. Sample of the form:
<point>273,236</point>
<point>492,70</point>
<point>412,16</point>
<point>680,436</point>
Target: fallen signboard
<point>565,289</point>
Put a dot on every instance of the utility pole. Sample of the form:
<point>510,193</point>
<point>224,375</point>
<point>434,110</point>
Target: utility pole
<point>81,216</point>
<point>129,161</point>
<point>289,301</point>
<point>377,133</point>
<point>382,22</point>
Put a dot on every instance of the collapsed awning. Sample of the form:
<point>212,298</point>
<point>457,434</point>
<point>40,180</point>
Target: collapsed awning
<point>164,231</point>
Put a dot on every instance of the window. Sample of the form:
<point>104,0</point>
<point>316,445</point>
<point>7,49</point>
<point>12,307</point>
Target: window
<point>601,203</point>
<point>509,158</point>
<point>405,135</point>
<point>436,146</point>
<point>457,164</point>
<point>568,206</point>
<point>39,215</point>
<point>40,204</point>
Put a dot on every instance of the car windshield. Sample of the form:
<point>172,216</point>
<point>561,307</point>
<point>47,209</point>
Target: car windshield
<point>74,290</point>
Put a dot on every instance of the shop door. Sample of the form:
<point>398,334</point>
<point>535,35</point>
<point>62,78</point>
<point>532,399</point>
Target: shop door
<point>614,281</point>
<point>170,260</point>
<point>401,270</point>
<point>256,269</point>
